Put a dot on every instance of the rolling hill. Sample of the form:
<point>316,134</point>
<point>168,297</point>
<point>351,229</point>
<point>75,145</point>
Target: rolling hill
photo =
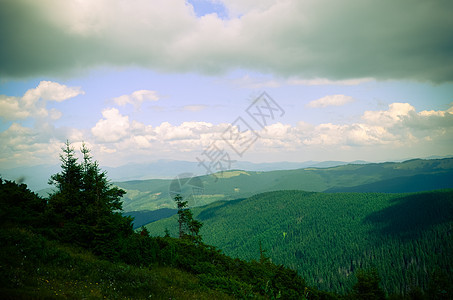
<point>409,176</point>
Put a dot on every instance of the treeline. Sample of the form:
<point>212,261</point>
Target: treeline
<point>328,238</point>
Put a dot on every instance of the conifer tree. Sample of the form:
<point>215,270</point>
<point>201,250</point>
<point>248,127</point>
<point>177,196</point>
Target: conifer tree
<point>64,203</point>
<point>367,286</point>
<point>189,228</point>
<point>86,204</point>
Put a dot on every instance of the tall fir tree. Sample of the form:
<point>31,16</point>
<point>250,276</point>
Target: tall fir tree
<point>64,202</point>
<point>86,205</point>
<point>189,228</point>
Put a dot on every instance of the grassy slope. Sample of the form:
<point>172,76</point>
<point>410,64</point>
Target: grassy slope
<point>327,237</point>
<point>33,267</point>
<point>413,175</point>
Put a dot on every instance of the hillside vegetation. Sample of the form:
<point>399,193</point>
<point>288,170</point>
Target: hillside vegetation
<point>327,237</point>
<point>409,176</point>
<point>76,244</point>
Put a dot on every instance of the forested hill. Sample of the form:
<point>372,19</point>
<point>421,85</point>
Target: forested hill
<point>328,236</point>
<point>409,176</point>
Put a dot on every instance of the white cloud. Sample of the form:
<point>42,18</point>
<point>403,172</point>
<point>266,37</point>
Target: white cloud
<point>116,139</point>
<point>112,128</point>
<point>393,128</point>
<point>398,126</point>
<point>331,100</point>
<point>51,91</point>
<point>137,98</point>
<point>10,108</point>
<point>41,144</point>
<point>397,112</point>
<point>33,102</point>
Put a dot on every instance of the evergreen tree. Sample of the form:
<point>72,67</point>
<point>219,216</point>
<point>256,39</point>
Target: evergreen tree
<point>264,259</point>
<point>65,201</point>
<point>86,205</point>
<point>18,205</point>
<point>367,286</point>
<point>189,228</point>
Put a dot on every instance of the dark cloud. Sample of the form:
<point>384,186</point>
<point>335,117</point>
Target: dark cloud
<point>330,39</point>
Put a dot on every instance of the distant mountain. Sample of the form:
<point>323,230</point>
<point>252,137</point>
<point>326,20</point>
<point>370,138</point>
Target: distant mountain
<point>36,177</point>
<point>327,237</point>
<point>409,176</point>
<point>404,184</point>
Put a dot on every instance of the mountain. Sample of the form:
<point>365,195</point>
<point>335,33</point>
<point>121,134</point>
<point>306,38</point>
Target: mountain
<point>404,184</point>
<point>408,176</point>
<point>327,237</point>
<point>36,177</point>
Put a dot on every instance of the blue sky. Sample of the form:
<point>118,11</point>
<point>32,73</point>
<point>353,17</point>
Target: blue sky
<point>166,79</point>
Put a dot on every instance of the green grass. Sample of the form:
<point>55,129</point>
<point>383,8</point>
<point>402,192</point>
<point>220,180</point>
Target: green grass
<point>34,267</point>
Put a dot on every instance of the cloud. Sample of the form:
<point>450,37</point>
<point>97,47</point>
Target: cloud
<point>51,91</point>
<point>137,98</point>
<point>40,144</point>
<point>33,102</point>
<point>240,7</point>
<point>396,113</point>
<point>400,126</point>
<point>10,108</point>
<point>324,81</point>
<point>399,131</point>
<point>332,100</point>
<point>260,82</point>
<point>194,108</point>
<point>308,40</point>
<point>112,128</point>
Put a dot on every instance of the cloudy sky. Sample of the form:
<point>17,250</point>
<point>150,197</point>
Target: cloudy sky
<point>143,80</point>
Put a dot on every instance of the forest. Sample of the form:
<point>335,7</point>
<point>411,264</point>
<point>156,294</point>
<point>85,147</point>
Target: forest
<point>327,237</point>
<point>76,243</point>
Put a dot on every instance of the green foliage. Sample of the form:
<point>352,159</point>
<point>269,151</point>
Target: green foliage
<point>367,286</point>
<point>218,271</point>
<point>85,208</point>
<point>189,228</point>
<point>328,237</point>
<point>18,205</point>
<point>144,266</point>
<point>33,267</point>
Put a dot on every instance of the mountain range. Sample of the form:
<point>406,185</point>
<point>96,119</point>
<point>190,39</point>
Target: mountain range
<point>36,177</point>
<point>408,176</point>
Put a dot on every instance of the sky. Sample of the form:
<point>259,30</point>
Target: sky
<point>218,81</point>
